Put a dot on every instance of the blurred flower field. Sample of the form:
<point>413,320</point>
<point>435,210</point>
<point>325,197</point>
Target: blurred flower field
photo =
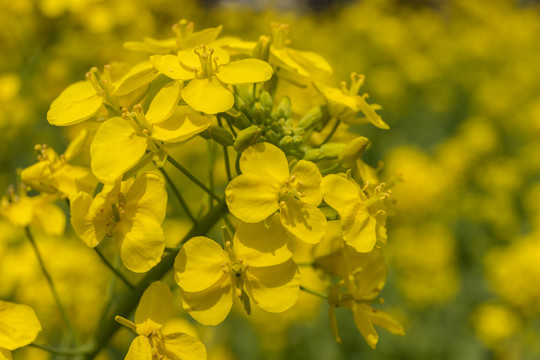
<point>458,83</point>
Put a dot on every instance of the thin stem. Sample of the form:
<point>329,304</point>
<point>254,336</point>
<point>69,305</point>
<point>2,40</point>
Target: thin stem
<point>336,125</point>
<point>110,293</point>
<point>313,292</point>
<point>51,284</point>
<point>113,269</point>
<point>128,301</point>
<point>210,151</point>
<point>231,128</point>
<point>226,154</point>
<point>237,164</point>
<point>60,351</point>
<point>178,195</point>
<point>193,178</point>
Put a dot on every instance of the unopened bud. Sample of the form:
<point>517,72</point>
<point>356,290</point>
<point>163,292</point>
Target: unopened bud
<point>266,100</point>
<point>220,135</point>
<point>353,151</point>
<point>284,109</point>
<point>246,138</point>
<point>315,116</point>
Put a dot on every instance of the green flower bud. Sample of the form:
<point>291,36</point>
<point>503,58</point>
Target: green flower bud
<point>353,151</point>
<point>284,109</point>
<point>246,138</point>
<point>315,116</point>
<point>332,150</point>
<point>286,142</point>
<point>314,155</point>
<point>266,100</point>
<point>220,135</point>
<point>244,92</point>
<point>258,113</point>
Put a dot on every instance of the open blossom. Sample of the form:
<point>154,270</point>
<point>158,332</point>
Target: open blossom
<point>266,186</point>
<point>152,312</point>
<point>255,265</point>
<point>129,211</point>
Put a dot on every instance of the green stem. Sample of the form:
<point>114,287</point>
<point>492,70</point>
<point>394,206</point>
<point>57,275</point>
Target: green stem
<point>178,195</point>
<point>65,352</point>
<point>237,164</point>
<point>129,300</point>
<point>313,292</point>
<point>113,269</point>
<point>304,264</point>
<point>51,284</point>
<point>329,136</point>
<point>226,154</point>
<point>193,179</point>
<point>210,151</point>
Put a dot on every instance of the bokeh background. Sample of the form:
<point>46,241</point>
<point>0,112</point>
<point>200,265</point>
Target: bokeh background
<point>459,82</point>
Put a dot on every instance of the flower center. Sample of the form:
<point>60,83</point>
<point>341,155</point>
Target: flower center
<point>290,189</point>
<point>209,62</point>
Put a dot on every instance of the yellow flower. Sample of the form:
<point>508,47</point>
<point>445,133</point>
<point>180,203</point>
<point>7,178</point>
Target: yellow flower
<point>151,314</point>
<point>266,185</point>
<point>53,173</point>
<point>362,219</point>
<point>38,211</point>
<point>257,265</point>
<point>19,326</point>
<point>210,73</point>
<point>129,211</point>
<point>121,142</point>
<point>345,104</point>
<point>363,277</point>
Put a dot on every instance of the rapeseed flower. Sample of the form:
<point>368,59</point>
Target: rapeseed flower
<point>152,312</point>
<point>129,211</point>
<point>256,265</point>
<point>266,186</point>
<point>19,326</point>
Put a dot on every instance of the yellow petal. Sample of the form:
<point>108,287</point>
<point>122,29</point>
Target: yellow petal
<point>384,320</point>
<point>169,65</point>
<point>147,197</point>
<point>181,127</point>
<point>336,97</point>
<point>259,245</point>
<point>184,347</point>
<point>308,174</point>
<point>200,264</point>
<point>274,288</point>
<point>266,161</point>
<point>140,75</point>
<point>139,349</point>
<point>154,308</point>
<point>210,306</point>
<point>246,71</point>
<point>208,96</point>
<point>151,45</point>
<point>141,243</point>
<point>49,218</point>
<point>19,325</point>
<point>77,103</point>
<point>251,198</point>
<point>282,58</point>
<point>19,213</point>
<point>311,61</point>
<point>164,103</point>
<point>115,149</point>
<point>5,354</point>
<point>369,282</point>
<point>190,59</point>
<point>88,226</point>
<point>71,180</point>
<point>364,325</point>
<point>202,37</point>
<point>359,228</point>
<point>339,192</point>
<point>305,221</point>
<point>370,113</point>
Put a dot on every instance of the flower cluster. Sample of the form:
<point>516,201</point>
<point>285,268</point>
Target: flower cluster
<point>299,182</point>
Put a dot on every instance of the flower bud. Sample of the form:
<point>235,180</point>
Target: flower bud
<point>353,151</point>
<point>315,116</point>
<point>284,109</point>
<point>246,138</point>
<point>220,135</point>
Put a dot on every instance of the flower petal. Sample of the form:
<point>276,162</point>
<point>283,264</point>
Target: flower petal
<point>211,306</point>
<point>147,197</point>
<point>364,325</point>
<point>208,96</point>
<point>339,192</point>
<point>336,97</point>
<point>181,127</point>
<point>251,198</point>
<point>84,226</point>
<point>115,149</point>
<point>384,320</point>
<point>19,325</point>
<point>199,264</point>
<point>305,221</point>
<point>141,243</point>
<point>246,71</point>
<point>139,349</point>
<point>164,103</point>
<point>359,228</point>
<point>154,308</point>
<point>139,75</point>
<point>197,38</point>
<point>308,174</point>
<point>274,288</point>
<point>77,103</point>
<point>370,113</point>
<point>184,347</point>
<point>259,245</point>
<point>266,161</point>
<point>169,65</point>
